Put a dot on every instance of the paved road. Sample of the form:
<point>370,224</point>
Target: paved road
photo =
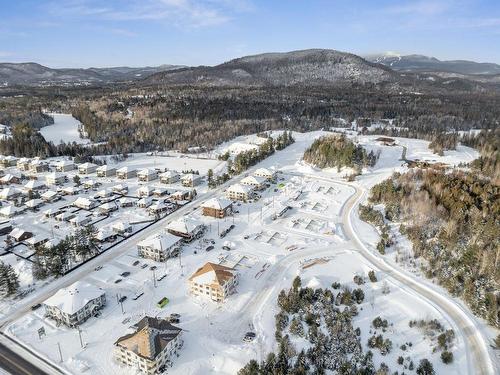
<point>81,272</point>
<point>15,364</point>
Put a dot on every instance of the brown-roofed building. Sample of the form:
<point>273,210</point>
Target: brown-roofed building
<point>213,281</point>
<point>151,347</point>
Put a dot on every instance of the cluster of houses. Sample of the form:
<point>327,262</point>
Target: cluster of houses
<point>247,189</point>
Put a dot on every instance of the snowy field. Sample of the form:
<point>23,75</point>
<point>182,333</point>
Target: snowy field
<point>308,241</point>
<point>64,129</point>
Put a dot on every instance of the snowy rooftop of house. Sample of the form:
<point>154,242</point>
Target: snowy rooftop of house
<point>9,176</point>
<point>37,239</point>
<point>55,175</point>
<point>87,165</point>
<point>49,194</point>
<point>33,184</point>
<point>73,298</point>
<point>264,171</point>
<point>108,206</point>
<point>238,188</point>
<point>253,180</point>
<point>7,192</point>
<point>62,163</point>
<point>213,274</point>
<point>125,169</point>
<point>145,200</point>
<point>82,201</point>
<point>8,210</point>
<point>33,203</point>
<point>190,177</point>
<point>184,225</point>
<point>70,189</point>
<point>17,232</point>
<point>104,168</point>
<point>217,203</point>
<point>169,174</point>
<point>121,225</point>
<point>147,171</point>
<point>160,241</point>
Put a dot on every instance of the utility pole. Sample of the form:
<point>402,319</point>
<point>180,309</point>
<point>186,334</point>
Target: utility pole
<point>80,335</point>
<point>60,352</point>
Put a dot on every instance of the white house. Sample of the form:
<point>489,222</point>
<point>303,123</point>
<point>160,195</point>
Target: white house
<point>84,203</point>
<point>75,304</point>
<point>147,174</point>
<point>87,168</point>
<point>81,220</point>
<point>169,177</point>
<point>33,185</point>
<point>71,190</point>
<point>65,166</point>
<point>190,180</point>
<point>186,227</point>
<point>105,171</point>
<point>213,281</point>
<point>239,192</point>
<point>50,196</point>
<point>145,191</point>
<point>144,202</point>
<point>34,203</point>
<point>125,173</point>
<point>9,193</point>
<point>159,247</point>
<point>8,211</point>
<point>122,227</point>
<point>55,178</point>
<point>265,173</point>
<point>255,182</point>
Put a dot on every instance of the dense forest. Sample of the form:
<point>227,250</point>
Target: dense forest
<point>337,151</point>
<point>488,144</point>
<point>453,221</point>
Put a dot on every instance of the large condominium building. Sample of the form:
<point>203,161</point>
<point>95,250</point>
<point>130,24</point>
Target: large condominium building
<point>239,192</point>
<point>152,346</point>
<point>217,207</point>
<point>75,304</point>
<point>159,247</point>
<point>213,281</point>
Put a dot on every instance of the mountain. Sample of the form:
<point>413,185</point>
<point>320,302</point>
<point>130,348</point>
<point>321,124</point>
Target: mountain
<point>425,64</point>
<point>39,75</point>
<point>313,67</point>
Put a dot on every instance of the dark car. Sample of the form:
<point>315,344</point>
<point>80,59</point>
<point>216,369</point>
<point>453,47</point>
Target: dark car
<point>231,226</point>
<point>210,248</point>
<point>37,306</point>
<point>136,263</point>
<point>117,281</point>
<point>125,274</point>
<point>144,266</point>
<point>152,268</point>
<point>122,299</point>
<point>249,336</point>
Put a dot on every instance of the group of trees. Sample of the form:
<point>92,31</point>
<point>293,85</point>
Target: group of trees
<point>58,259</point>
<point>319,317</point>
<point>9,281</point>
<point>245,160</point>
<point>338,151</point>
<point>488,144</point>
<point>452,220</point>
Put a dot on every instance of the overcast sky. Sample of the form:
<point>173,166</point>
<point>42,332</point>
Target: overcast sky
<point>84,33</point>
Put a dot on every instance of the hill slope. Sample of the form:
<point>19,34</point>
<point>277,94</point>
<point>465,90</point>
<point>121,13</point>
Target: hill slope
<point>308,67</point>
<point>36,74</point>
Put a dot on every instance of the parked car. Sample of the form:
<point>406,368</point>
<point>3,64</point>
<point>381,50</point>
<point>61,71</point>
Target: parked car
<point>123,298</point>
<point>37,306</point>
<point>152,268</point>
<point>125,274</point>
<point>98,268</point>
<point>249,336</point>
<point>136,263</point>
<point>144,266</point>
<point>117,281</point>
<point>209,248</point>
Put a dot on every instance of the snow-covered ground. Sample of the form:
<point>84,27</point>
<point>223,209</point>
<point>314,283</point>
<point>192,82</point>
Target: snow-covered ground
<point>64,129</point>
<point>308,241</point>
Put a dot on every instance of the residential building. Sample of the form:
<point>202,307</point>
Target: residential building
<point>157,208</point>
<point>10,178</point>
<point>255,182</point>
<point>81,220</point>
<point>159,247</point>
<point>106,208</point>
<point>151,347</point>
<point>183,195</point>
<point>8,161</point>
<point>74,304</point>
<point>9,211</point>
<point>105,171</point>
<point>145,191</point>
<point>147,174</point>
<point>187,228</point>
<point>55,178</point>
<point>84,203</point>
<point>38,166</point>
<point>144,202</point>
<point>217,207</point>
<point>122,227</point>
<point>34,203</point>
<point>169,177</point>
<point>90,184</point>
<point>9,193</point>
<point>213,281</point>
<point>23,164</point>
<point>50,196</point>
<point>126,202</point>
<point>71,190</point>
<point>87,168</point>
<point>125,173</point>
<point>18,235</point>
<point>33,185</point>
<point>65,166</point>
<point>190,180</point>
<point>239,192</point>
<point>120,189</point>
<point>265,173</point>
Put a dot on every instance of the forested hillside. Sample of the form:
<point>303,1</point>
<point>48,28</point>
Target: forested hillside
<point>337,151</point>
<point>488,144</point>
<point>453,221</point>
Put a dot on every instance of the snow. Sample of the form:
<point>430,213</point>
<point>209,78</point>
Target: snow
<point>64,129</point>
<point>308,240</point>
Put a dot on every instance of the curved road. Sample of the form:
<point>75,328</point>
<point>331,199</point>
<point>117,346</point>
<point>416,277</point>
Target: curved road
<point>479,360</point>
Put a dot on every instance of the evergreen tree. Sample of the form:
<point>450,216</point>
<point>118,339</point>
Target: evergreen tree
<point>9,281</point>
